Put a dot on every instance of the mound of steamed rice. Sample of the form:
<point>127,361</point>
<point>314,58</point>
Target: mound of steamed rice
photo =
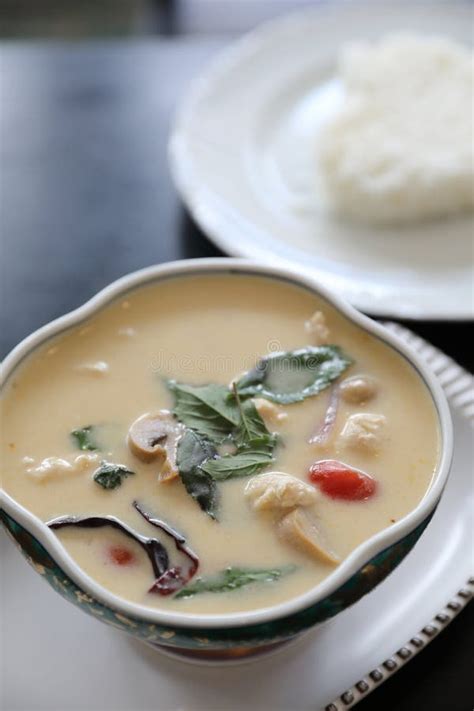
<point>401,147</point>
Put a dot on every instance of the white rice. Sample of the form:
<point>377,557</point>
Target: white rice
<point>401,148</point>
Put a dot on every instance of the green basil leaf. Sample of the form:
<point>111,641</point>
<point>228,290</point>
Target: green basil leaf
<point>110,476</point>
<point>233,578</point>
<point>208,409</point>
<point>192,451</point>
<point>84,438</point>
<point>232,466</point>
<point>292,376</point>
<point>251,427</point>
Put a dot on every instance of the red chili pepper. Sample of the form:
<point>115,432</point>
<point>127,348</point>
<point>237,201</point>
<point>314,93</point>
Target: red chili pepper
<point>121,555</point>
<point>340,481</point>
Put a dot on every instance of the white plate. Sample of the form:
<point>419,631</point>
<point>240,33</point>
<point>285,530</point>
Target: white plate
<point>242,155</point>
<point>57,658</point>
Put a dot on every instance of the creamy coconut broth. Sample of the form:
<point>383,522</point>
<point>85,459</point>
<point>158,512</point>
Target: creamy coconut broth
<point>281,533</point>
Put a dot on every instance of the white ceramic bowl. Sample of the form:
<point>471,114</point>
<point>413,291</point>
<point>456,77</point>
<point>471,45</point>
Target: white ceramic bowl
<point>236,633</point>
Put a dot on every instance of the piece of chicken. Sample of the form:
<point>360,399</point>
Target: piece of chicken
<point>301,531</point>
<point>277,491</point>
<point>154,437</point>
<point>270,413</point>
<point>56,467</point>
<point>364,431</point>
<point>98,369</point>
<point>316,327</point>
<point>358,389</point>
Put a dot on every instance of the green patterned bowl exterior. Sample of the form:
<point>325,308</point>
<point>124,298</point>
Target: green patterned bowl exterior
<point>185,638</point>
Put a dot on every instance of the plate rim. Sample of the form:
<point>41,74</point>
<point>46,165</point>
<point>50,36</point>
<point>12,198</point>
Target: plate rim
<point>386,669</point>
<point>200,200</point>
<point>462,400</point>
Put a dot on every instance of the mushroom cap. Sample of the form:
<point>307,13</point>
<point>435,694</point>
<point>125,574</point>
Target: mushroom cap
<point>153,437</point>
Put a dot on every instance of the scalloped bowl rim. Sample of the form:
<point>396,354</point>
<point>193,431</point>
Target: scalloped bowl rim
<point>359,557</point>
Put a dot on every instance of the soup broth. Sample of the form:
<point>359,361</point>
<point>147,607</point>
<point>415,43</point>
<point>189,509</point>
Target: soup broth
<point>350,460</point>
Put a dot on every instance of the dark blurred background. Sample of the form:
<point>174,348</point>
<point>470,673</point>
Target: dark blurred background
<point>89,89</point>
<point>80,19</point>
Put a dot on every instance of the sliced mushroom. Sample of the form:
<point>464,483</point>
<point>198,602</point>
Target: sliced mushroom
<point>154,438</point>
<point>358,389</point>
<point>277,491</point>
<point>298,529</point>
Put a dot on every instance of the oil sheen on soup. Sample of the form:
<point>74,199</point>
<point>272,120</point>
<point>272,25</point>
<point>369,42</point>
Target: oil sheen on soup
<point>216,443</point>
